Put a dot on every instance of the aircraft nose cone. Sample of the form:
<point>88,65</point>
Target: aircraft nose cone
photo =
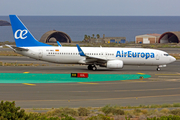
<point>173,59</point>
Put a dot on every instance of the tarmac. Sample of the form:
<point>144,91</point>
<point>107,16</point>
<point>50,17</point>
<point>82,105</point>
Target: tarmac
<point>162,87</point>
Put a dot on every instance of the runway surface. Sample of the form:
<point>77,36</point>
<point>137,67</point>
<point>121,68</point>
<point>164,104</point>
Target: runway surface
<point>162,87</point>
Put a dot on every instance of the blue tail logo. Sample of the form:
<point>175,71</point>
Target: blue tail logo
<point>22,36</point>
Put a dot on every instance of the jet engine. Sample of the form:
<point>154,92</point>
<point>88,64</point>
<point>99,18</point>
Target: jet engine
<point>114,64</point>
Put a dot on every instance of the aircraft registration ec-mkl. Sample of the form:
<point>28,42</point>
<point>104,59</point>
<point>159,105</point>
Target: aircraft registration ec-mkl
<point>112,58</point>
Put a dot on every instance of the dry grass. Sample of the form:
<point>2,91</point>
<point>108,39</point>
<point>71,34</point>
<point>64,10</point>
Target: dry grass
<point>176,55</point>
<point>18,64</point>
<point>9,53</point>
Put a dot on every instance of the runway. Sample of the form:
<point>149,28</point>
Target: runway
<point>162,87</point>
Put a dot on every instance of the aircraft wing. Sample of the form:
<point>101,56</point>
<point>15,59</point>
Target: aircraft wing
<point>90,59</point>
<point>17,48</point>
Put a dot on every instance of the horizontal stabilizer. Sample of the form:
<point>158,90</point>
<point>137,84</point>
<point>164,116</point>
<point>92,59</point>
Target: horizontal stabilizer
<point>17,48</point>
<point>59,44</point>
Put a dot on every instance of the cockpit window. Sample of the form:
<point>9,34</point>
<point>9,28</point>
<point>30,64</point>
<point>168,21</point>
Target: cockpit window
<point>166,54</point>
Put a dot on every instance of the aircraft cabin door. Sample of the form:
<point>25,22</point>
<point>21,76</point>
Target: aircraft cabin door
<point>157,56</point>
<point>40,55</point>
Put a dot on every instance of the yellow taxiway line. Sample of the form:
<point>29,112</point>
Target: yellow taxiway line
<point>88,83</point>
<point>29,84</point>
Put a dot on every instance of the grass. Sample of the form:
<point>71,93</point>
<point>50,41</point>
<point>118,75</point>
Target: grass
<point>165,105</point>
<point>18,64</point>
<point>9,53</point>
<point>176,55</point>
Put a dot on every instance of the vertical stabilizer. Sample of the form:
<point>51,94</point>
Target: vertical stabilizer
<point>21,34</point>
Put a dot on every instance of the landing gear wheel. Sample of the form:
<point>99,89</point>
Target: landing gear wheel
<point>94,68</point>
<point>158,69</point>
<point>90,67</point>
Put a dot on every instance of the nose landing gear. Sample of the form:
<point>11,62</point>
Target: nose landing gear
<point>159,66</point>
<point>158,69</point>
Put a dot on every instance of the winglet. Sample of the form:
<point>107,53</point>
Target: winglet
<point>80,50</point>
<point>59,44</point>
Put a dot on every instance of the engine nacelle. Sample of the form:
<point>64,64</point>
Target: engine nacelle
<point>114,64</point>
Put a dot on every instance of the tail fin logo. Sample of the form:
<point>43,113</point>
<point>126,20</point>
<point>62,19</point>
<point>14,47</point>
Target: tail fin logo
<point>20,34</point>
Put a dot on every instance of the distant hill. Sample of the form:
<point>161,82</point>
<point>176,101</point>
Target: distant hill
<point>4,23</point>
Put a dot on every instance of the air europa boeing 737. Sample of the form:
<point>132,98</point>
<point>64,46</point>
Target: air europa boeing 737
<point>107,57</point>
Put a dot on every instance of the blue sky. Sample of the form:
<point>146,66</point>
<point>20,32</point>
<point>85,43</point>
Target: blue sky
<point>90,7</point>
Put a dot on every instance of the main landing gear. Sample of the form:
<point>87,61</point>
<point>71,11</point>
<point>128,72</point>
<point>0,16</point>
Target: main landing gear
<point>92,67</point>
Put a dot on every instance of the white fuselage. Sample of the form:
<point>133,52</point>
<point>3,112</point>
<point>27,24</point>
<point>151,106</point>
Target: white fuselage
<point>70,55</point>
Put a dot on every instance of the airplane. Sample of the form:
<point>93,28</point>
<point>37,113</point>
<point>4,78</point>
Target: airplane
<point>109,57</point>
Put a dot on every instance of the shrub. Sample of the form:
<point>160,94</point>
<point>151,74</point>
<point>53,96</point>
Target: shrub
<point>152,112</point>
<point>55,112</point>
<point>83,111</point>
<point>69,111</point>
<point>99,117</point>
<point>165,105</point>
<point>114,110</point>
<point>144,111</point>
<point>154,106</point>
<point>66,117</point>
<point>137,110</point>
<point>170,117</point>
<point>176,105</point>
<point>107,109</point>
<point>117,111</point>
<point>9,111</point>
<point>175,112</point>
<point>142,106</point>
<point>39,116</point>
<point>165,110</point>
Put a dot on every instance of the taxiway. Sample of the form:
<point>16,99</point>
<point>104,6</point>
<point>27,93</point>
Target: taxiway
<point>162,87</point>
